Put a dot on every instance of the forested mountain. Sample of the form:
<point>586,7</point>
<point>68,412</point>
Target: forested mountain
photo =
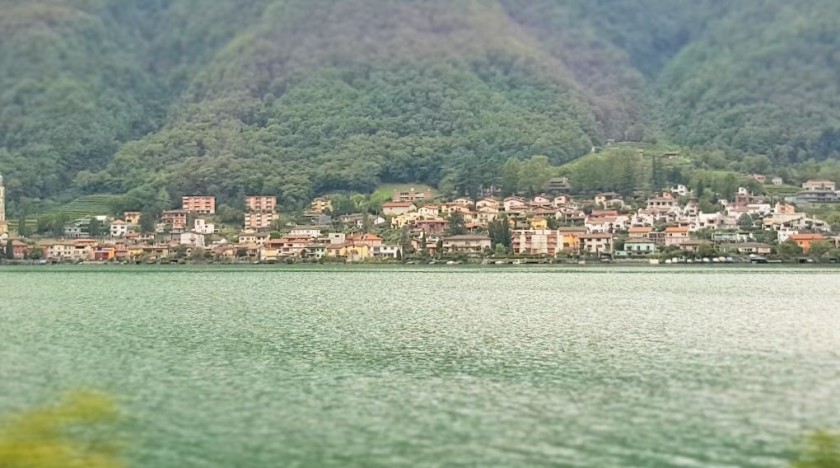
<point>300,97</point>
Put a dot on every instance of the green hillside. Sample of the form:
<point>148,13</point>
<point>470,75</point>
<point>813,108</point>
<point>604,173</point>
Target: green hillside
<point>162,98</point>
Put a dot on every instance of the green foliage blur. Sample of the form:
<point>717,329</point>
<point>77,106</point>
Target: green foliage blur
<point>73,433</point>
<point>820,449</point>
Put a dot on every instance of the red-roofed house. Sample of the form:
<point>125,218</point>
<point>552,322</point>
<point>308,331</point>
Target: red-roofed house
<point>805,241</point>
<point>676,235</point>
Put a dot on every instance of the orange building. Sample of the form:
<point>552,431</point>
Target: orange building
<point>199,204</point>
<point>176,218</point>
<point>259,220</point>
<point>261,203</point>
<point>804,241</point>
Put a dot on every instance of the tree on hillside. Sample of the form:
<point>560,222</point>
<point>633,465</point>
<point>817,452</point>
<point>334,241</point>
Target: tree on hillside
<point>147,222</point>
<point>456,226</point>
<point>405,240</point>
<point>10,250</point>
<point>499,231</point>
<point>534,174</point>
<point>510,177</point>
<point>819,248</point>
<point>745,222</point>
<point>94,228</point>
<point>23,229</point>
<point>788,249</point>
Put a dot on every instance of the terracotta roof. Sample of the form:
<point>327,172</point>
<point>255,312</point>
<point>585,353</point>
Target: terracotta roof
<point>806,237</point>
<point>639,229</point>
<point>397,204</point>
<point>676,229</point>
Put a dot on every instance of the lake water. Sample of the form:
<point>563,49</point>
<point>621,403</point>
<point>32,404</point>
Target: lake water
<point>279,366</point>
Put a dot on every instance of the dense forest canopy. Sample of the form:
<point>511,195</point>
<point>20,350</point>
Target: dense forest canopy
<point>301,97</point>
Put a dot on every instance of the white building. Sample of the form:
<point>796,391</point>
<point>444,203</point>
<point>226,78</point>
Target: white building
<point>313,233</point>
<point>386,251</point>
<point>192,239</point>
<point>203,227</point>
<point>119,228</point>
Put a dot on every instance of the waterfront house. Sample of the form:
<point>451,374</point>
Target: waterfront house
<point>470,244</point>
<point>105,253</point>
<point>596,244</point>
<point>747,248</point>
<point>20,250</point>
<point>805,241</point>
<point>371,240</point>
<point>727,236</point>
<point>536,242</point>
<point>291,246</point>
<point>350,252</point>
<point>676,235</point>
<point>386,251</point>
<point>639,247</point>
<point>570,241</point>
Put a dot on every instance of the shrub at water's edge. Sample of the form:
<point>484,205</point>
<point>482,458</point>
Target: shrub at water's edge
<point>820,449</point>
<point>73,433</point>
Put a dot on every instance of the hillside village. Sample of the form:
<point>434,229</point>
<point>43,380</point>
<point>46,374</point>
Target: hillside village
<point>417,226</point>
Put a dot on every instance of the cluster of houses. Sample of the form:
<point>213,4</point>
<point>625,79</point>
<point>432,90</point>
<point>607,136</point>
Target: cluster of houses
<point>545,225</point>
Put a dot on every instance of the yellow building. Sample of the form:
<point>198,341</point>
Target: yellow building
<point>135,251</point>
<point>570,239</point>
<point>320,205</point>
<point>132,217</point>
<point>352,252</point>
<point>539,224</point>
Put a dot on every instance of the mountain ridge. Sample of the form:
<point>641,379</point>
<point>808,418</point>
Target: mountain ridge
<point>299,97</point>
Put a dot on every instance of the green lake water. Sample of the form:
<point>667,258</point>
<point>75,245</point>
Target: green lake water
<point>331,366</point>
